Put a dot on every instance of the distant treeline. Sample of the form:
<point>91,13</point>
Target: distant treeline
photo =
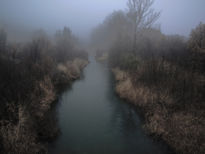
<point>162,74</point>
<point>31,74</point>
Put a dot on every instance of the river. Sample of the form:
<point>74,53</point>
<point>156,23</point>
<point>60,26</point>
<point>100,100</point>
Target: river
<point>93,120</point>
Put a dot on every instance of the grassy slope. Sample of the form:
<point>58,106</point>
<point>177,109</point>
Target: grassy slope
<point>35,126</point>
<point>182,129</point>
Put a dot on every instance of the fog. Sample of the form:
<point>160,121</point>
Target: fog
<point>23,16</point>
<point>55,54</point>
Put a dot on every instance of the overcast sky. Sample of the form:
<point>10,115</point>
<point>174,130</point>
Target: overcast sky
<point>177,16</point>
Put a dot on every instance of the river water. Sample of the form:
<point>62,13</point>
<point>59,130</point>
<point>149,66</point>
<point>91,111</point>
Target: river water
<point>93,120</point>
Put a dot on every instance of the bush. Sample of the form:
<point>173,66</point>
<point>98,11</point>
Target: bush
<point>28,81</point>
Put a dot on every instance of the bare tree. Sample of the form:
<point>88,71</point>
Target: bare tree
<point>197,38</point>
<point>142,16</point>
<point>3,39</point>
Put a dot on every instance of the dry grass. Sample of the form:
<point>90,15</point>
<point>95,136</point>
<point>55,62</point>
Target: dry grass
<point>139,95</point>
<point>20,138</point>
<point>73,68</point>
<point>34,122</point>
<point>42,97</point>
<point>103,57</point>
<point>181,129</point>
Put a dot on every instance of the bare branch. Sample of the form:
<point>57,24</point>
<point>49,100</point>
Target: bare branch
<point>141,13</point>
<point>142,16</point>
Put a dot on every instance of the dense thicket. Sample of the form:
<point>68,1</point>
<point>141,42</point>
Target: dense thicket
<point>31,73</point>
<point>157,54</point>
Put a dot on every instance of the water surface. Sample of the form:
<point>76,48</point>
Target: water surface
<point>93,120</point>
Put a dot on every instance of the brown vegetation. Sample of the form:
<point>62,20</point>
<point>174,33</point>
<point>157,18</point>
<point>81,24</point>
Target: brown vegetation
<point>169,87</point>
<point>182,127</point>
<point>101,56</point>
<point>31,76</point>
<point>164,76</point>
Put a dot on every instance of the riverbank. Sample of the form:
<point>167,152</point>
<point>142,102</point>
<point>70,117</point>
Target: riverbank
<point>101,56</point>
<point>34,127</point>
<point>182,128</point>
<point>93,120</point>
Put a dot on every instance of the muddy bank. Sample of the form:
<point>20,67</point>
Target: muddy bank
<point>182,129</point>
<point>34,126</point>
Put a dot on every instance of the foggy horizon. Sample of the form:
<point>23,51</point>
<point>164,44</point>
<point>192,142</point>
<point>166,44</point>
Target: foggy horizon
<point>102,76</point>
<point>177,17</point>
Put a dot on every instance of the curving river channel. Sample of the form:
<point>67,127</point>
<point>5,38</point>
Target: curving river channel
<point>93,120</point>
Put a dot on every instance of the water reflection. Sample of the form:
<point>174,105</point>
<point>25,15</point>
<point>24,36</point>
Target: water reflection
<point>94,120</point>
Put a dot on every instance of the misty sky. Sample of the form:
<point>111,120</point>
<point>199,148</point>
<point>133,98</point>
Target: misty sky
<point>177,16</point>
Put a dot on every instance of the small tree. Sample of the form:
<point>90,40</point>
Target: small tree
<point>65,43</point>
<point>197,48</point>
<point>3,38</point>
<point>142,16</point>
<point>114,27</point>
<point>197,38</point>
